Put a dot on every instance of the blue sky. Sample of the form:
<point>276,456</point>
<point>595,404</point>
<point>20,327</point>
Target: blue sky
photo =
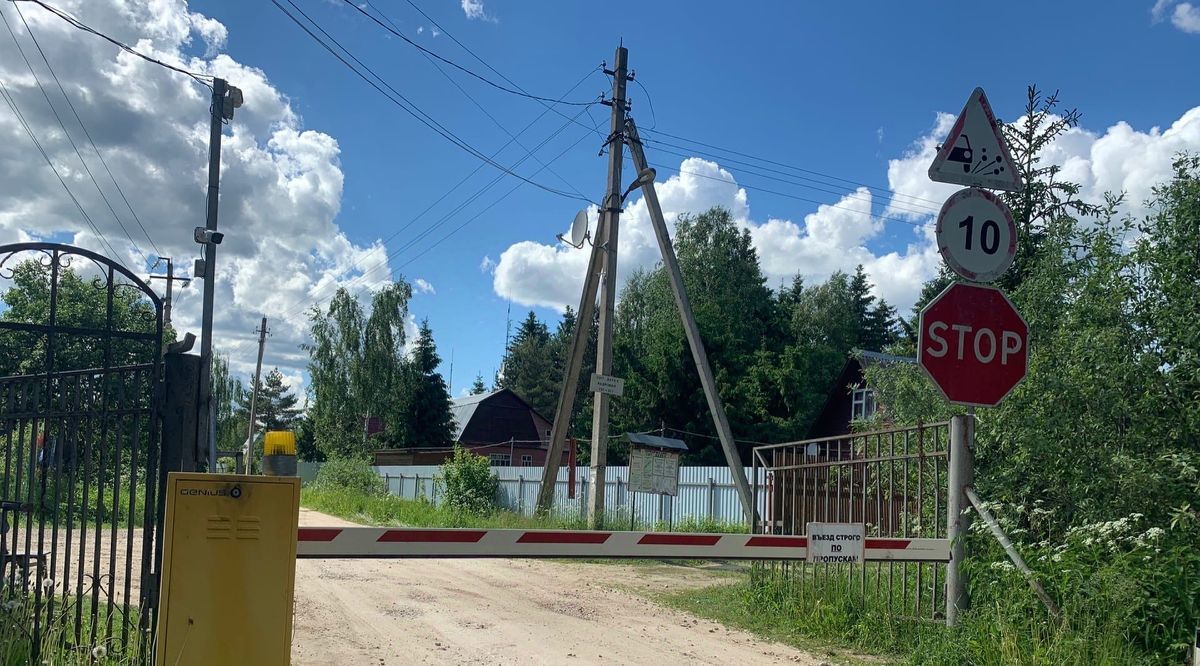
<point>848,90</point>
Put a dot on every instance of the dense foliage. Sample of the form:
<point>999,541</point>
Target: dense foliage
<point>359,368</point>
<point>349,475</point>
<point>468,484</point>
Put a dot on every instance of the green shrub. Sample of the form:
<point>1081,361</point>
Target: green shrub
<point>468,483</point>
<point>349,474</point>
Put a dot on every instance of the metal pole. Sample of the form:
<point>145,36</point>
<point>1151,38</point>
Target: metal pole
<point>248,449</point>
<point>1013,555</point>
<point>210,261</point>
<point>608,295</point>
<point>961,476</point>
<point>699,355</point>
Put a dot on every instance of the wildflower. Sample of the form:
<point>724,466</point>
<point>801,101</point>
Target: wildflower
<point>47,584</point>
<point>99,652</point>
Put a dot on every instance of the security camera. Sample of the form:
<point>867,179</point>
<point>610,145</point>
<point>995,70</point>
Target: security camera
<point>205,236</point>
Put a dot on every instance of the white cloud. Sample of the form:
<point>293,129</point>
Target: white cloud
<point>830,239</point>
<point>420,29</point>
<point>487,265</point>
<point>841,235</point>
<point>423,286</point>
<point>474,10</point>
<point>281,183</point>
<point>1159,10</point>
<point>1186,17</point>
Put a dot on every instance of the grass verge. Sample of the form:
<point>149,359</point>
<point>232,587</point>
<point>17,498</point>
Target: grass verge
<point>1002,628</point>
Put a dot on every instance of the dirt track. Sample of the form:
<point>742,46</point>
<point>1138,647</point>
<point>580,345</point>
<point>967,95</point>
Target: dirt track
<point>506,612</point>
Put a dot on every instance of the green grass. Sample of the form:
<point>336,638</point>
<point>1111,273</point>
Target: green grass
<point>1002,628</point>
<point>16,642</point>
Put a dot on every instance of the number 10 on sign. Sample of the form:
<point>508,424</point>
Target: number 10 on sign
<point>976,235</point>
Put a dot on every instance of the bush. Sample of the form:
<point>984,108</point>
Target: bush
<point>349,474</point>
<point>468,483</point>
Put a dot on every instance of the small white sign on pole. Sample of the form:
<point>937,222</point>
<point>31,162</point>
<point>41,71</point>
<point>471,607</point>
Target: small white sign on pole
<point>836,543</point>
<point>652,471</point>
<point>614,386</point>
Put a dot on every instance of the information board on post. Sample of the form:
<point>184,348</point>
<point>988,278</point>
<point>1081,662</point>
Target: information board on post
<point>614,386</point>
<point>653,471</point>
<point>836,543</point>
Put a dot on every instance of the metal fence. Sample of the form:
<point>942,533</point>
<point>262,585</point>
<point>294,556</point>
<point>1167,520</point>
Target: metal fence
<point>893,481</point>
<point>705,493</point>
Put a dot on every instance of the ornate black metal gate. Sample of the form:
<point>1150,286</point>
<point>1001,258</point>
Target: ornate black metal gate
<point>80,368</point>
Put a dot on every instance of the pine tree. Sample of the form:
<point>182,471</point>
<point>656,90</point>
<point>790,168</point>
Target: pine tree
<point>530,369</point>
<point>478,387</point>
<point>428,405</point>
<point>275,408</point>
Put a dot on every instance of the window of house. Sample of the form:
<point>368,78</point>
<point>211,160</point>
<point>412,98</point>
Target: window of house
<point>862,406</point>
<point>500,459</point>
<point>526,461</point>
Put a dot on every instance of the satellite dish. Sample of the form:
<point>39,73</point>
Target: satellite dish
<point>579,228</point>
<point>812,450</point>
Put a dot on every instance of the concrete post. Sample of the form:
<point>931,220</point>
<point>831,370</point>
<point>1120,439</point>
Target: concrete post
<point>962,475</point>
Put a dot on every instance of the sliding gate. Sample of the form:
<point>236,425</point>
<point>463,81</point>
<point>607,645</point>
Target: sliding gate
<point>894,482</point>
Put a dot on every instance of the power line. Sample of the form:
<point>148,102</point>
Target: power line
<point>12,104</point>
<point>488,65</point>
<point>405,104</point>
<point>784,165</point>
<point>62,125</point>
<point>195,76</point>
<point>484,110</point>
<point>85,131</point>
<point>919,210</point>
<point>781,194</point>
<point>519,93</point>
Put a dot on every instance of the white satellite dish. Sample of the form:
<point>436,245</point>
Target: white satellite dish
<point>579,228</point>
<point>812,450</point>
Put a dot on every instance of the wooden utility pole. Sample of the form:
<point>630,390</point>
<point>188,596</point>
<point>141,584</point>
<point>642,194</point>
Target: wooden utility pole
<point>603,259</point>
<point>699,356</point>
<point>171,280</point>
<point>248,448</point>
<point>608,294</point>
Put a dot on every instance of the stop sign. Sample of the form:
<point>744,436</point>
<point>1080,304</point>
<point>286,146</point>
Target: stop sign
<point>973,344</point>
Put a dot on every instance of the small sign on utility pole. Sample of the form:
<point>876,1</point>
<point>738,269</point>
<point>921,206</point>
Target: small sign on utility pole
<point>836,543</point>
<point>614,386</point>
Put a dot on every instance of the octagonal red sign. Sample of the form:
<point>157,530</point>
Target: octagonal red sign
<point>973,344</point>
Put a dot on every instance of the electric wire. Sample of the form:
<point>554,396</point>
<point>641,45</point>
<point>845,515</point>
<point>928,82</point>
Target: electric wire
<point>519,93</point>
<point>62,125</point>
<point>195,76</point>
<point>405,104</point>
<point>12,104</point>
<point>487,64</point>
<point>786,166</point>
<point>86,133</point>
<point>915,209</point>
<point>483,109</point>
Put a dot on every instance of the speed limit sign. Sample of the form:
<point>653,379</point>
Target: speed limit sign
<point>976,235</point>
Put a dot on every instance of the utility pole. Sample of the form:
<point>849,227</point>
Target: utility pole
<point>690,329</point>
<point>608,292</point>
<point>171,280</point>
<point>225,99</point>
<point>248,449</point>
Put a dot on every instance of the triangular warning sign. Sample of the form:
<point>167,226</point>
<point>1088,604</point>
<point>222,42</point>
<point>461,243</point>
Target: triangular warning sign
<point>975,153</point>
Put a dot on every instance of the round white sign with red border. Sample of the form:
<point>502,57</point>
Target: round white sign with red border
<point>976,235</point>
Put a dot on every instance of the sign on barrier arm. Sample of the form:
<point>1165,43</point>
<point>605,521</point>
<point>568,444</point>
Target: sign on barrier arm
<point>384,542</point>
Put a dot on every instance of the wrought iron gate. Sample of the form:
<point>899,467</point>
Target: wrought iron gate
<point>893,481</point>
<point>80,371</point>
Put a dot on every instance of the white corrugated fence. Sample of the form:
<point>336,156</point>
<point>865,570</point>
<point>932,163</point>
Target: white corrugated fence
<point>704,492</point>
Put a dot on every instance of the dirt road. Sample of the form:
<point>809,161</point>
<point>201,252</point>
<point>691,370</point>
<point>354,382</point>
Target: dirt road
<point>506,612</point>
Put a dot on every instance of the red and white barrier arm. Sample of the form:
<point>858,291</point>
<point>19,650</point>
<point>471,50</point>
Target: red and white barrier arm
<point>381,542</point>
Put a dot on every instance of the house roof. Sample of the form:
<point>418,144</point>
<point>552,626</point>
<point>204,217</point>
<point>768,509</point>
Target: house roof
<point>657,442</point>
<point>463,409</point>
<point>871,357</point>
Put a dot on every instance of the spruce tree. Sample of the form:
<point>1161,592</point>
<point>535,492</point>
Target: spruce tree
<point>428,408</point>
